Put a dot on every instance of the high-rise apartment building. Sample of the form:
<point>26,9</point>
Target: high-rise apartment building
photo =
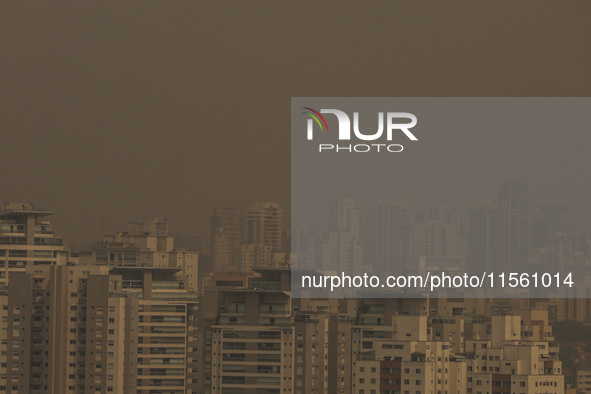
<point>482,239</point>
<point>82,329</point>
<point>227,239</point>
<point>159,327</point>
<point>47,329</point>
<point>211,302</point>
<point>322,347</point>
<point>583,381</point>
<point>265,225</point>
<point>342,250</point>
<point>514,224</point>
<point>145,249</point>
<point>153,225</point>
<point>3,338</point>
<point>253,338</point>
<point>388,241</point>
<point>26,239</point>
<point>438,232</point>
<point>344,216</point>
<point>262,341</point>
<point>264,238</point>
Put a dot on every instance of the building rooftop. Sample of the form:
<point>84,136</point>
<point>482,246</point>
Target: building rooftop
<point>21,213</point>
<point>120,270</point>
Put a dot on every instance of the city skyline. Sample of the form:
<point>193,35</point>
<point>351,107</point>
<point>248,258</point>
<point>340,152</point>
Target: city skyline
<point>136,314</point>
<point>154,141</point>
<point>204,229</point>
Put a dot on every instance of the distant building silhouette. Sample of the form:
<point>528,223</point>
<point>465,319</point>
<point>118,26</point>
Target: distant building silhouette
<point>482,242</point>
<point>227,239</point>
<point>514,224</point>
<point>264,246</point>
<point>388,241</point>
<point>265,225</point>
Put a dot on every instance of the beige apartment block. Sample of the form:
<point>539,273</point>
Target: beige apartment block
<point>47,322</point>
<point>322,346</point>
<point>3,338</point>
<point>411,366</point>
<point>26,238</point>
<point>583,381</point>
<point>262,341</point>
<point>226,239</point>
<point>503,360</point>
<point>252,341</point>
<point>561,309</point>
<point>81,329</point>
<point>160,330</point>
<point>265,225</point>
<point>138,248</point>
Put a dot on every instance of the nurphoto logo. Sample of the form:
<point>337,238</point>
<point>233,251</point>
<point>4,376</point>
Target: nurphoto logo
<point>396,122</point>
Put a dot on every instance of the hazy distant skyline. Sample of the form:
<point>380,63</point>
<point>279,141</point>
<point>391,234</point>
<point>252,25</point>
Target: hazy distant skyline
<point>466,149</point>
<point>109,112</point>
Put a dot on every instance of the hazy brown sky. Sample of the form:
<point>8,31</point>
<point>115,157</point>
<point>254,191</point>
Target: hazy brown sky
<point>113,111</point>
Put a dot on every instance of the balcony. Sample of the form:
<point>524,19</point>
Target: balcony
<point>369,321</point>
<point>233,357</point>
<point>17,264</point>
<point>13,240</point>
<point>168,285</point>
<point>272,321</point>
<point>269,335</point>
<point>43,229</point>
<point>132,284</point>
<point>274,309</point>
<point>163,319</point>
<point>306,319</point>
<point>259,285</point>
<point>233,309</point>
<point>175,296</point>
<point>372,310</point>
<point>49,241</point>
<point>12,228</point>
<point>231,321</point>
